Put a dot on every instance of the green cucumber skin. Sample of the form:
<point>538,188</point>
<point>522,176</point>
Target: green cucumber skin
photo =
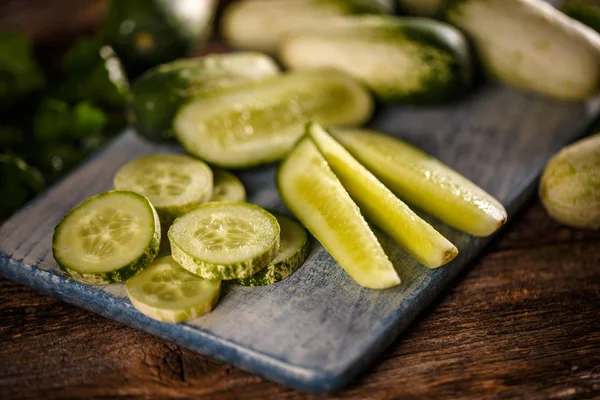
<point>121,274</point>
<point>544,21</point>
<point>274,273</point>
<point>432,36</point>
<point>212,271</point>
<point>169,86</point>
<point>425,8</point>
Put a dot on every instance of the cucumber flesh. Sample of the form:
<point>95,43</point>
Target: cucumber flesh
<point>378,203</point>
<point>166,292</point>
<point>108,238</point>
<point>174,183</point>
<point>259,122</point>
<point>225,240</point>
<point>293,250</point>
<point>424,182</point>
<point>227,187</point>
<point>317,198</point>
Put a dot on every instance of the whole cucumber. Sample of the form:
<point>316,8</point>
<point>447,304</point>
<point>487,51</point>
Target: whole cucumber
<point>531,45</point>
<point>412,60</point>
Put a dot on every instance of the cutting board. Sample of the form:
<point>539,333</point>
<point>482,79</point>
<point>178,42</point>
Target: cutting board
<point>316,329</point>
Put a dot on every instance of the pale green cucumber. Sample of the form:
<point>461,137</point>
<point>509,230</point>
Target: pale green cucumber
<point>424,182</point>
<point>261,24</point>
<point>225,240</point>
<point>293,250</point>
<point>227,187</point>
<point>317,198</point>
<point>379,204</point>
<point>259,122</point>
<point>174,183</point>
<point>108,238</point>
<point>531,45</point>
<point>412,60</point>
<point>166,292</point>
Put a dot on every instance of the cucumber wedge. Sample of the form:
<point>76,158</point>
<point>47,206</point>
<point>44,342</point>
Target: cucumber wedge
<point>166,292</point>
<point>425,182</point>
<point>158,94</point>
<point>378,203</point>
<point>413,60</point>
<point>259,122</point>
<point>531,45</point>
<point>261,24</point>
<point>315,195</point>
<point>293,250</point>
<point>108,238</point>
<point>174,183</point>
<point>227,187</point>
<point>225,240</point>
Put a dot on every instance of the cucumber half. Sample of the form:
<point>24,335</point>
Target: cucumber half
<point>166,292</point>
<point>227,187</point>
<point>225,240</point>
<point>293,250</point>
<point>174,183</point>
<point>378,203</point>
<point>425,182</point>
<point>108,238</point>
<point>259,122</point>
<point>317,198</point>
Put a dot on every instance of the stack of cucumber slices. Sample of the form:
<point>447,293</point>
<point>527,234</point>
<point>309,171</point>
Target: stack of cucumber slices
<point>335,182</point>
<point>213,235</point>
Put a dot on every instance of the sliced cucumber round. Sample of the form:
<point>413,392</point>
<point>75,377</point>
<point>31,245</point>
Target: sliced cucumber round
<point>225,240</point>
<point>293,250</point>
<point>227,187</point>
<point>166,292</point>
<point>317,198</point>
<point>174,183</point>
<point>108,238</point>
<point>259,122</point>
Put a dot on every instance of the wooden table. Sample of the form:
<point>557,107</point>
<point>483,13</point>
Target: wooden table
<point>522,322</point>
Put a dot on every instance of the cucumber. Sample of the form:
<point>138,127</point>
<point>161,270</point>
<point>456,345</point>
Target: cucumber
<point>259,122</point>
<point>145,33</point>
<point>584,11</point>
<point>425,8</point>
<point>317,198</point>
<point>227,187</point>
<point>225,240</point>
<point>413,234</point>
<point>166,292</point>
<point>531,45</point>
<point>413,60</point>
<point>261,24</point>
<point>293,251</point>
<point>174,183</point>
<point>425,182</point>
<point>108,238</point>
<point>158,94</point>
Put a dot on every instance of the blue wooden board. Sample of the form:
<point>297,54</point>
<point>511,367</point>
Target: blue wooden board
<point>317,329</point>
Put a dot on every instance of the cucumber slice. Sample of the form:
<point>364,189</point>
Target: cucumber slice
<point>108,238</point>
<point>174,183</point>
<point>227,187</point>
<point>293,250</point>
<point>159,93</point>
<point>425,182</point>
<point>315,195</point>
<point>225,240</point>
<point>413,234</point>
<point>166,292</point>
<point>259,122</point>
<point>413,60</point>
<point>261,24</point>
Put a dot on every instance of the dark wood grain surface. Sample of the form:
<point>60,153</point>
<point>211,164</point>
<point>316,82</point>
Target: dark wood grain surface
<point>522,322</point>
